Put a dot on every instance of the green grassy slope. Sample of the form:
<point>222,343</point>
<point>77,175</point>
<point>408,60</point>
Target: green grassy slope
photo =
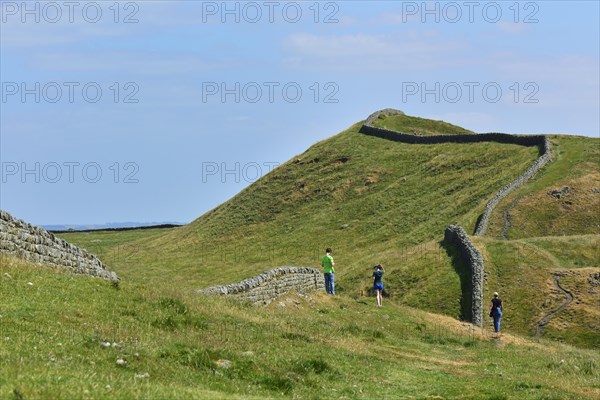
<point>420,126</point>
<point>523,271</point>
<point>113,247</point>
<point>53,332</point>
<point>430,277</point>
<point>377,201</point>
<point>362,196</point>
<point>536,212</point>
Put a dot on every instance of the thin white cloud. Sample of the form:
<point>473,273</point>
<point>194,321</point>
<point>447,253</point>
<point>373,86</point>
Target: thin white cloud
<point>125,62</point>
<point>512,27</point>
<point>147,17</point>
<point>575,69</point>
<point>41,35</point>
<point>410,50</point>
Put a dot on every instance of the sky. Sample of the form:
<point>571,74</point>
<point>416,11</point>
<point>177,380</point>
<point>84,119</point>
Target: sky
<point>160,111</point>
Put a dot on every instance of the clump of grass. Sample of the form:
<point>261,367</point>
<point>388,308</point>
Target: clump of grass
<point>555,364</point>
<point>525,386</point>
<point>190,356</point>
<point>279,384</point>
<point>167,322</point>
<point>498,397</point>
<point>589,367</point>
<point>296,336</point>
<point>377,334</point>
<point>173,305</point>
<point>316,366</point>
<point>351,329</point>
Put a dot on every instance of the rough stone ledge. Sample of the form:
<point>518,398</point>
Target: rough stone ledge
<point>270,284</point>
<point>456,235</point>
<point>32,243</point>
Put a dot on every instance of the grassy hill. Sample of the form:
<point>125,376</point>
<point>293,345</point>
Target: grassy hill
<point>418,126</point>
<point>525,271</point>
<point>374,200</point>
<point>63,337</point>
<point>564,200</point>
<point>360,195</point>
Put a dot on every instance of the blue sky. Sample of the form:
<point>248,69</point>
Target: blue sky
<point>199,98</point>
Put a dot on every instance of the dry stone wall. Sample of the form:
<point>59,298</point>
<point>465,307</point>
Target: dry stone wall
<point>455,234</point>
<point>524,140</point>
<point>34,244</point>
<point>472,259</point>
<point>268,286</point>
<point>542,160</point>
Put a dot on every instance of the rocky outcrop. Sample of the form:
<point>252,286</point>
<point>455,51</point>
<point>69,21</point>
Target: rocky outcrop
<point>34,244</point>
<point>268,286</point>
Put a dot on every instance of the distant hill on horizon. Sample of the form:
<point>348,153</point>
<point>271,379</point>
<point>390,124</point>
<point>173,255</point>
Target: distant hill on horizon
<point>108,225</point>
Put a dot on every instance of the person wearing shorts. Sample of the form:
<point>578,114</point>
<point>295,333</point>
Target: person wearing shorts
<point>378,284</point>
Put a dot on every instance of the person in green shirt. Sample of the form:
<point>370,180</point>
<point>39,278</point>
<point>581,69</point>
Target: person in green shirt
<point>328,270</point>
<point>377,283</point>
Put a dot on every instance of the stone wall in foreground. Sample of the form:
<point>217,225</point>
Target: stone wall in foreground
<point>473,260</point>
<point>268,286</point>
<point>34,244</point>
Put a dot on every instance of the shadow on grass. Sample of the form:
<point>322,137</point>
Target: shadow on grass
<point>466,311</point>
<point>477,223</point>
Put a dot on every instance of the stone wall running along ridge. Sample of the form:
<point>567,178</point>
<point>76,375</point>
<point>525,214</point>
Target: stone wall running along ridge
<point>524,140</point>
<point>268,286</point>
<point>34,244</point>
<point>457,236</point>
<point>545,158</point>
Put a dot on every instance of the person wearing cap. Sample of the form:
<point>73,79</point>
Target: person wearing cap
<point>496,312</point>
<point>377,283</point>
<point>328,270</point>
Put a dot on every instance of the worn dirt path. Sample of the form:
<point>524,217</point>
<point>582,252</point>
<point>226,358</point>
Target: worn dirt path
<point>506,217</point>
<point>548,316</point>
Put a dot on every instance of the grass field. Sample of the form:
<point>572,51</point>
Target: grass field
<point>360,195</point>
<point>373,201</point>
<point>70,332</point>
<point>377,201</point>
<point>419,126</point>
<point>523,272</point>
<point>537,213</point>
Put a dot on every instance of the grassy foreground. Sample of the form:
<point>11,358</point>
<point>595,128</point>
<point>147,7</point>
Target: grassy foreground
<point>62,337</point>
<point>373,201</point>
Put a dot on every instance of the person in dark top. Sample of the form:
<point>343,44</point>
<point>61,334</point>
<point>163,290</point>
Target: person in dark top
<point>377,283</point>
<point>496,311</point>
